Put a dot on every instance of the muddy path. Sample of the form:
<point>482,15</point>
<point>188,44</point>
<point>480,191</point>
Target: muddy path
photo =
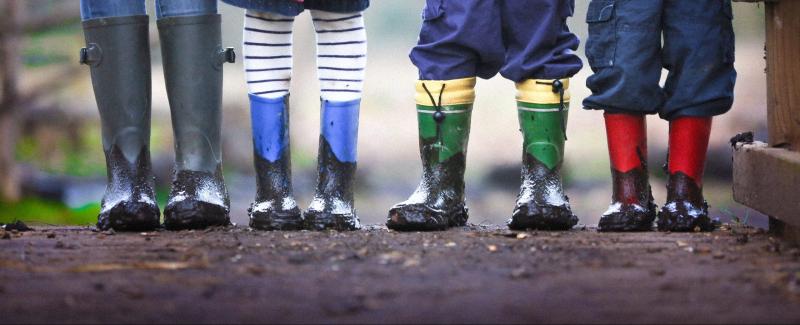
<point>474,274</point>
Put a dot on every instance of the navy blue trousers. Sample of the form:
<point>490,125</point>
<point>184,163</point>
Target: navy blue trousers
<point>521,39</point>
<point>626,53</point>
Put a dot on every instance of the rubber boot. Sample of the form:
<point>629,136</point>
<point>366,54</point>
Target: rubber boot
<point>193,59</point>
<point>333,206</point>
<point>542,204</point>
<point>632,207</point>
<point>275,207</point>
<point>118,53</point>
<point>686,209</point>
<point>444,110</point>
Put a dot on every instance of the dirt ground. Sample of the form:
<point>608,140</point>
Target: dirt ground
<point>474,274</point>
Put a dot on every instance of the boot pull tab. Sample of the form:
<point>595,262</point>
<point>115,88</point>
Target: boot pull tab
<point>91,55</point>
<point>438,116</point>
<point>225,55</point>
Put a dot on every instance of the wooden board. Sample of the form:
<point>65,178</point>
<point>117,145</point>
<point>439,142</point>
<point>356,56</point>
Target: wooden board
<point>768,180</point>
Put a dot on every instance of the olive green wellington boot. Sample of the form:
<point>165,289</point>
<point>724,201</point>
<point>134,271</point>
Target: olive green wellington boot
<point>118,54</point>
<point>193,59</point>
<point>542,106</point>
<point>444,109</point>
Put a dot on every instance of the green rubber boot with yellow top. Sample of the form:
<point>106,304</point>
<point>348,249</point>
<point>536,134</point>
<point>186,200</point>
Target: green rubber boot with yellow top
<point>542,107</point>
<point>444,109</point>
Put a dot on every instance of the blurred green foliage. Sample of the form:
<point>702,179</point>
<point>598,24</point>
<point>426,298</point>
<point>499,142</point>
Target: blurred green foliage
<point>38,211</point>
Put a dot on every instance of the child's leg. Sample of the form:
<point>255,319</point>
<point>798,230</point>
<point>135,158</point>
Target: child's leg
<point>459,41</point>
<point>627,67</point>
<point>118,55</point>
<point>268,53</point>
<point>341,54</point>
<point>268,67</point>
<point>540,59</point>
<point>699,52</point>
<point>341,60</point>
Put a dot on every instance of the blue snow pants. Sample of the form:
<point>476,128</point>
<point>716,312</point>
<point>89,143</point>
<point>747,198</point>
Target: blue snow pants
<point>521,39</point>
<point>626,53</point>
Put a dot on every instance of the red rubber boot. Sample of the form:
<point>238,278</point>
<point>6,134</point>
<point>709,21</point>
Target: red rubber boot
<point>632,207</point>
<point>686,210</point>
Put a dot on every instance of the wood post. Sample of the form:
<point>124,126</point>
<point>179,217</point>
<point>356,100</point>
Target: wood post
<point>783,73</point>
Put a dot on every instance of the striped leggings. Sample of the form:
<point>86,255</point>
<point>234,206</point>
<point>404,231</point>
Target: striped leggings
<point>341,54</point>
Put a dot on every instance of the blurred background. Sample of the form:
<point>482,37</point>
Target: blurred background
<point>52,168</point>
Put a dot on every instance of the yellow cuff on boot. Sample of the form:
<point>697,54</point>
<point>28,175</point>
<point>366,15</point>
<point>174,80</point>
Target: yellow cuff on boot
<point>456,92</point>
<point>540,91</point>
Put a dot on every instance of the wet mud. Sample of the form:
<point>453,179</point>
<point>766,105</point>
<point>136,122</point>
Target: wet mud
<point>685,209</point>
<point>333,205</point>
<point>632,204</point>
<point>473,274</point>
<point>197,200</point>
<point>541,203</point>
<point>275,207</point>
<point>129,202</point>
<point>438,202</point>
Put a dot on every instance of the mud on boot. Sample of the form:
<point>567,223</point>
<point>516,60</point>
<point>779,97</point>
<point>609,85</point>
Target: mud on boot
<point>333,205</point>
<point>129,203</point>
<point>632,207</point>
<point>541,203</point>
<point>685,210</point>
<point>197,200</point>
<point>542,108</point>
<point>438,201</point>
<point>118,55</point>
<point>423,217</point>
<point>275,207</point>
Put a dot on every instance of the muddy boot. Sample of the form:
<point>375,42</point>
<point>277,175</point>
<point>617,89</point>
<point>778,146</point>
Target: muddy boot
<point>444,110</point>
<point>632,207</point>
<point>686,209</point>
<point>541,203</point>
<point>275,207</point>
<point>333,205</point>
<point>193,59</point>
<point>118,53</point>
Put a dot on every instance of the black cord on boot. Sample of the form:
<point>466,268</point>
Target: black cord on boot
<point>558,88</point>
